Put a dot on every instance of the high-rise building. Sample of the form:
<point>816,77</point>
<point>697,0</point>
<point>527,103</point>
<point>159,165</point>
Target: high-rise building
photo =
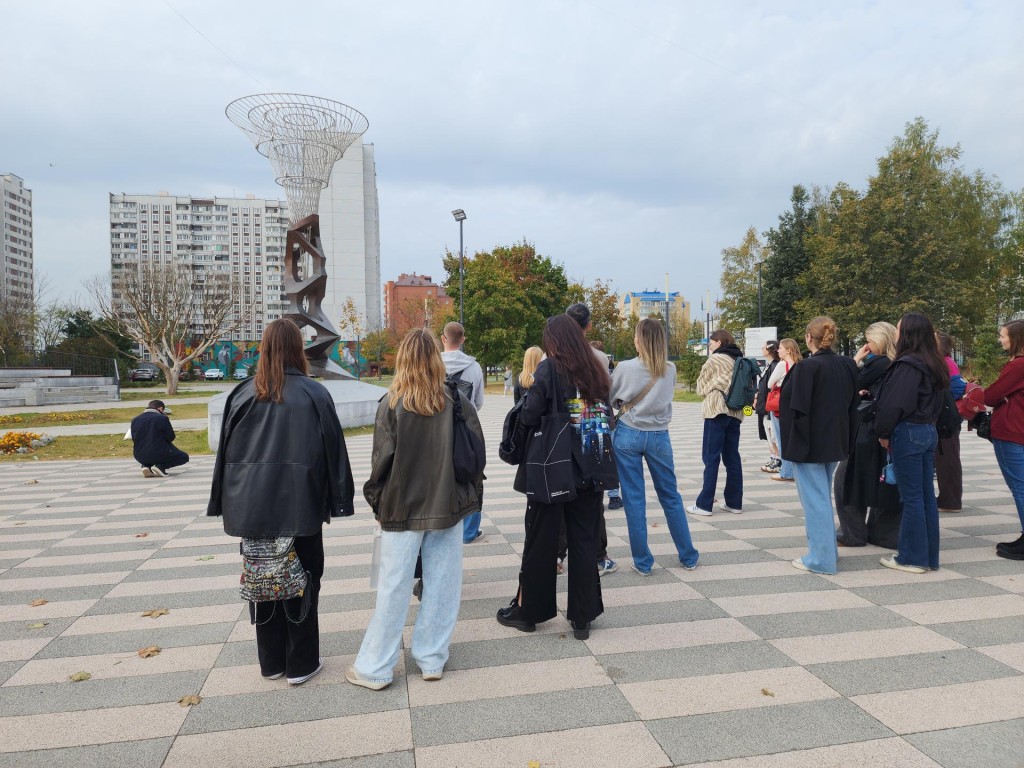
<point>244,236</point>
<point>646,303</point>
<point>16,272</point>
<point>413,301</point>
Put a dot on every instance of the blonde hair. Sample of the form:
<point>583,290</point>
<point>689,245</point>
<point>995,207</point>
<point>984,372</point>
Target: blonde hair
<point>419,374</point>
<point>651,347</point>
<point>792,350</point>
<point>822,331</point>
<point>531,359</point>
<point>883,336</point>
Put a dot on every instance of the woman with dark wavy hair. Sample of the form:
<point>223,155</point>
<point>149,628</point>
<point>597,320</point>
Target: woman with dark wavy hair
<point>572,377</point>
<point>1006,395</point>
<point>908,406</point>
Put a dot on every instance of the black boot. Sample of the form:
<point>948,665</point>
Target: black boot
<point>580,629</point>
<point>1011,550</point>
<point>513,617</point>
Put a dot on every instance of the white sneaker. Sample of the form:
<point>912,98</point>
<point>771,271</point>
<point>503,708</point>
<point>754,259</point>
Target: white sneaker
<point>147,472</point>
<point>727,508</point>
<point>800,564</point>
<point>432,676</point>
<point>693,509</point>
<point>304,678</point>
<point>890,562</point>
<point>356,679</point>
<point>157,472</point>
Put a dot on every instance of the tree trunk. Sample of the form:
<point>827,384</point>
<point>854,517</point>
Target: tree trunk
<point>172,375</point>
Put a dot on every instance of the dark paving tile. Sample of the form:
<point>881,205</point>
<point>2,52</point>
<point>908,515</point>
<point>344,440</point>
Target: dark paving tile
<point>513,716</point>
<point>769,585</point>
<point>823,622</point>
<point>517,648</point>
<point>140,603</point>
<point>388,760</point>
<point>126,642</point>
<point>742,733</point>
<point>726,558</point>
<point>956,589</point>
<point>692,662</point>
<point>974,634</point>
<point>901,673</point>
<point>229,545</point>
<point>199,569</point>
<point>658,613</point>
<point>8,668</point>
<point>19,630</point>
<point>99,694</point>
<point>58,594</point>
<point>137,754</point>
<point>997,567</point>
<point>992,745</point>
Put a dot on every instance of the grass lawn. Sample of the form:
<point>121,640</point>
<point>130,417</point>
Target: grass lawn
<point>682,396</point>
<point>99,416</point>
<point>159,394</point>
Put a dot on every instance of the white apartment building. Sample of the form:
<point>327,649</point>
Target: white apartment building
<point>245,236</point>
<point>16,272</point>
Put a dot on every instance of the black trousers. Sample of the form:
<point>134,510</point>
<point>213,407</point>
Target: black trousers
<point>537,578</point>
<point>176,459</point>
<point>602,539</point>
<point>865,525</point>
<point>281,644</point>
<point>950,473</point>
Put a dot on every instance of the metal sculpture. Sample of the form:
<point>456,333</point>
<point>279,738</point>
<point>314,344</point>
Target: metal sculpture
<point>303,137</point>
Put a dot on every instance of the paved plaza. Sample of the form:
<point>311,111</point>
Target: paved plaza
<point>743,662</point>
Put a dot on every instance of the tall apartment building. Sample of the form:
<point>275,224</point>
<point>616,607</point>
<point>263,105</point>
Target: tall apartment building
<point>16,269</point>
<point>412,301</point>
<point>245,236</point>
<point>646,303</point>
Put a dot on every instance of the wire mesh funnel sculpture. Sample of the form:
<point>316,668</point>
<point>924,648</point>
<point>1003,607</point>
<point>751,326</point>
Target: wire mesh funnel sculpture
<point>303,137</point>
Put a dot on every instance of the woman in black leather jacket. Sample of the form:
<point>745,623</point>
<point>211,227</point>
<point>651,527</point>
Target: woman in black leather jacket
<point>282,470</point>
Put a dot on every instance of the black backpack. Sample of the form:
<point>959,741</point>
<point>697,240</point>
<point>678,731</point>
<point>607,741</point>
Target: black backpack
<point>469,457</point>
<point>465,387</point>
<point>948,423</point>
<point>514,434</point>
<point>743,387</point>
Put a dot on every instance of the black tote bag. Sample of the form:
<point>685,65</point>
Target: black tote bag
<point>549,465</point>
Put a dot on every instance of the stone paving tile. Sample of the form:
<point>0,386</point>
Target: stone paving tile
<point>67,696</point>
<point>22,733</point>
<point>882,753</point>
<point>992,745</point>
<point>149,753</point>
<point>784,625</point>
<point>642,666</point>
<point>870,644</point>
<point>983,631</point>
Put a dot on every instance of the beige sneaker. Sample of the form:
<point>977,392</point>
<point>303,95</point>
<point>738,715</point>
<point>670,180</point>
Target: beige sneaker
<point>890,562</point>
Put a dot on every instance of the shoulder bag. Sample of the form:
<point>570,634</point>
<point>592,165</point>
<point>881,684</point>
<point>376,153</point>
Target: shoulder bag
<point>512,447</point>
<point>272,571</point>
<point>771,403</point>
<point>468,453</point>
<point>627,407</point>
<point>549,461</point>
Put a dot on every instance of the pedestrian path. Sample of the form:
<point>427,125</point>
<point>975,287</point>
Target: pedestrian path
<point>743,662</point>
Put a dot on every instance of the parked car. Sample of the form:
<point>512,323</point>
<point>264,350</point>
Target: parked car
<point>142,374</point>
<point>213,373</point>
<point>241,372</point>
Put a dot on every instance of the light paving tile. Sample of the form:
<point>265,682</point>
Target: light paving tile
<point>342,621</point>
<point>1011,654</point>
<point>98,726</point>
<point>871,644</point>
<point>969,609</point>
<point>1013,583</point>
<point>878,753</point>
<point>277,745</point>
<point>19,554</point>
<point>18,538</point>
<point>112,665</point>
<point>61,521</point>
<point>657,699</point>
<point>471,630</point>
<point>790,602</point>
<point>675,635</point>
<point>738,571</point>
<point>59,561</point>
<point>768,533</point>
<point>173,586</point>
<point>144,754</point>
<point>246,678</point>
<point>18,650</point>
<point>885,576</point>
<point>178,617</point>
<point>103,541</point>
<point>41,583</point>
<point>705,547</point>
<point>645,593</point>
<point>54,610</point>
<point>160,522</point>
<point>625,745</point>
<point>951,706</point>
<point>190,561</point>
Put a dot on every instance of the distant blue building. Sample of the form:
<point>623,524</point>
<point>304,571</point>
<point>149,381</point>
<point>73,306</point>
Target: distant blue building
<point>647,303</point>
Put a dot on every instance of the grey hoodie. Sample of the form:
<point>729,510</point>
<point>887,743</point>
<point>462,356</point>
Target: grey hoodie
<point>458,361</point>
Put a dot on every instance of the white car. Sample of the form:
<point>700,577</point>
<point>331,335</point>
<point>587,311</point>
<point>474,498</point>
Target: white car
<point>241,372</point>
<point>213,373</point>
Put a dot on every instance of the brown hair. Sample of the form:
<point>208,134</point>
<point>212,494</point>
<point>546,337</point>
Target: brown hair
<point>793,349</point>
<point>822,331</point>
<point>773,349</point>
<point>917,337</point>
<point>419,374</point>
<point>722,336</point>
<point>454,332</point>
<point>282,347</point>
<point>1015,330</point>
<point>651,346</point>
<point>572,356</point>
<point>531,359</point>
<point>945,342</point>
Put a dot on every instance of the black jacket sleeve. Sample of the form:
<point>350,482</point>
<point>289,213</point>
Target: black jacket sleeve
<point>538,397</point>
<point>897,399</point>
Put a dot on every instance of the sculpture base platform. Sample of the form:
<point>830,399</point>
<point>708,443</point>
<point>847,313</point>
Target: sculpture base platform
<point>355,402</point>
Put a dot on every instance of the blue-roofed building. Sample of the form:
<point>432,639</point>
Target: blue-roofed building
<point>647,303</point>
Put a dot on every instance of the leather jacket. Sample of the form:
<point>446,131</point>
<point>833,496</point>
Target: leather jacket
<point>282,469</point>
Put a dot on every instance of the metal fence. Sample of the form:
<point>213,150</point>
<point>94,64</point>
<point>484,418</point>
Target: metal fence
<point>79,365</point>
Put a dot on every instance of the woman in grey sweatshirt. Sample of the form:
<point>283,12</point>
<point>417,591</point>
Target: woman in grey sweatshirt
<point>643,388</point>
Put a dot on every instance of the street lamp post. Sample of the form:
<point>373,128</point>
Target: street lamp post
<point>760,266</point>
<point>460,216</point>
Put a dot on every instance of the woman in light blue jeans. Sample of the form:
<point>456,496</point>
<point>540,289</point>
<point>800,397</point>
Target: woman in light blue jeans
<point>419,504</point>
<point>643,388</point>
<point>789,355</point>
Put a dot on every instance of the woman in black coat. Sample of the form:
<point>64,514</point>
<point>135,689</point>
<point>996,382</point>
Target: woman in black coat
<point>869,510</point>
<point>282,470</point>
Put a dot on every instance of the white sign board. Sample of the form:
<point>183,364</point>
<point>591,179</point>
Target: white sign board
<point>754,339</point>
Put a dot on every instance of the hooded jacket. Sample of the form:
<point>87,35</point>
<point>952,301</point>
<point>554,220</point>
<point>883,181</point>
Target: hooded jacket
<point>907,393</point>
<point>282,468</point>
<point>714,381</point>
<point>458,361</point>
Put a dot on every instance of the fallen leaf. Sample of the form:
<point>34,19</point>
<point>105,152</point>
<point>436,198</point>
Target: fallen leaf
<point>37,603</point>
<point>21,523</point>
<point>766,692</point>
<point>189,701</point>
<point>141,535</point>
<point>206,557</point>
<point>31,482</point>
<point>533,764</point>
<point>156,612</point>
<point>654,525</point>
<point>79,677</point>
<point>145,653</point>
<point>37,625</point>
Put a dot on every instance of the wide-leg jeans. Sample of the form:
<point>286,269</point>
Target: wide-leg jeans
<point>913,458</point>
<point>786,470</point>
<point>814,487</point>
<point>721,445</point>
<point>1010,457</point>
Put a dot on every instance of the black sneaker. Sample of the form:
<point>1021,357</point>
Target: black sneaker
<point>615,502</point>
<point>580,629</point>
<point>1011,545</point>
<point>417,589</point>
<point>513,617</point>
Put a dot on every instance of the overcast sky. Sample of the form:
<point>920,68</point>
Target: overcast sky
<point>624,139</point>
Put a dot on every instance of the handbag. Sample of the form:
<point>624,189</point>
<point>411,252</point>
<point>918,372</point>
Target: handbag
<point>771,403</point>
<point>468,453</point>
<point>549,462</point>
<point>982,424</point>
<point>271,570</point>
<point>512,447</point>
<point>888,472</point>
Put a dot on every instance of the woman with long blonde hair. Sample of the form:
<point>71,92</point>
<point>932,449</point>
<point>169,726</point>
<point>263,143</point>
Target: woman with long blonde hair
<point>419,505</point>
<point>531,359</point>
<point>643,388</point>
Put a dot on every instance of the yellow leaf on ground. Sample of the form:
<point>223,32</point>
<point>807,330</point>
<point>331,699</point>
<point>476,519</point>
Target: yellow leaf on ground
<point>79,677</point>
<point>37,603</point>
<point>156,612</point>
<point>766,692</point>
<point>189,701</point>
<point>38,625</point>
<point>206,557</point>
<point>145,653</point>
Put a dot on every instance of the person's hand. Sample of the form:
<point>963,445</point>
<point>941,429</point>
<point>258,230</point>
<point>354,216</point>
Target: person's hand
<point>884,443</point>
<point>756,395</point>
<point>862,353</point>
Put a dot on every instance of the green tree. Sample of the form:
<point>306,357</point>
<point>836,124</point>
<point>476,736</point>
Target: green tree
<point>738,304</point>
<point>509,294</point>
<point>688,368</point>
<point>786,260</point>
<point>607,324</point>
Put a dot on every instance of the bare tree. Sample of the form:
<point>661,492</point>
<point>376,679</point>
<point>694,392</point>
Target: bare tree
<point>175,312</point>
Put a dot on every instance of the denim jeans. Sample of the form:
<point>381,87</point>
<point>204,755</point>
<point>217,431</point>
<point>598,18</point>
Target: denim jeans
<point>721,445</point>
<point>632,447</point>
<point>442,590</point>
<point>814,486</point>
<point>913,458</point>
<point>470,527</point>
<point>786,470</point>
<point>1011,463</point>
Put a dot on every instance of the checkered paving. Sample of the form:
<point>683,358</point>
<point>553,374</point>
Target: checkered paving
<point>742,662</point>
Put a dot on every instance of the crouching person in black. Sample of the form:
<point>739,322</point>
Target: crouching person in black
<point>153,436</point>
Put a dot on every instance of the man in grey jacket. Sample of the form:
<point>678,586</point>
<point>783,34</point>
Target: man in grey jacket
<point>466,371</point>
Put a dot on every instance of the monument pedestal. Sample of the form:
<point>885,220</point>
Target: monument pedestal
<point>355,401</point>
